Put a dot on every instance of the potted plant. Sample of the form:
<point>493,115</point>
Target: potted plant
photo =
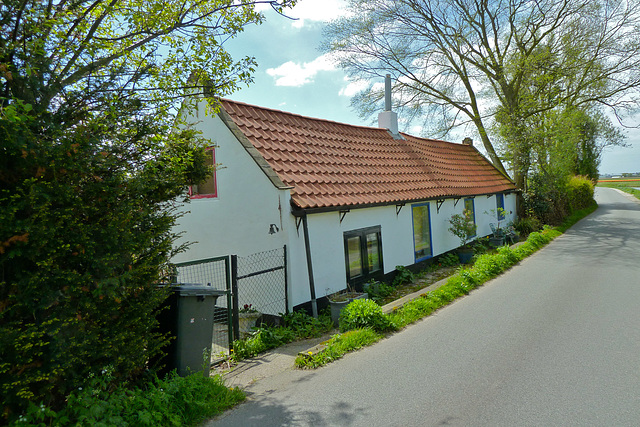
<point>464,228</point>
<point>247,318</point>
<point>339,300</point>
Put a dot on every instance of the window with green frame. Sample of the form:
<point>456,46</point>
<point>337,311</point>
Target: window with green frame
<point>469,206</point>
<point>421,231</point>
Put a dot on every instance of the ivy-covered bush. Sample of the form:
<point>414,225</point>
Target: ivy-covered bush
<point>364,313</point>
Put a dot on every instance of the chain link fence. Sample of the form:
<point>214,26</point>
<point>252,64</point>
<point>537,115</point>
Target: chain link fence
<point>262,282</point>
<point>256,284</point>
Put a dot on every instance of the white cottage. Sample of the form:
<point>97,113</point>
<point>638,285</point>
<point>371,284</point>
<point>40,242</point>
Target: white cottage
<point>349,202</point>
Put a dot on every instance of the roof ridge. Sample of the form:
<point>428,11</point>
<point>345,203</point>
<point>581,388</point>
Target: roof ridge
<point>296,115</point>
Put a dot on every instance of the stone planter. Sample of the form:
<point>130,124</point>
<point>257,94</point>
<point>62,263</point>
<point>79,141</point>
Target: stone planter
<point>247,321</point>
<point>339,302</point>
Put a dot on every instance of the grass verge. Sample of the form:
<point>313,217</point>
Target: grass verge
<point>338,346</point>
<point>486,267</point>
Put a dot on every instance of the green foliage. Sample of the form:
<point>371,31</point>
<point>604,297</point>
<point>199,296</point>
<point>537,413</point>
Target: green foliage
<point>173,401</point>
<point>295,326</point>
<point>378,290</point>
<point>527,225</point>
<point>159,48</point>
<point>579,192</point>
<point>338,346</point>
<point>448,260</point>
<point>403,275</point>
<point>91,173</point>
<point>364,313</point>
<point>85,231</point>
<point>551,199</point>
<point>463,226</point>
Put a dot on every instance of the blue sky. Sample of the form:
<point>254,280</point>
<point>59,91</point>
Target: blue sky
<point>293,75</point>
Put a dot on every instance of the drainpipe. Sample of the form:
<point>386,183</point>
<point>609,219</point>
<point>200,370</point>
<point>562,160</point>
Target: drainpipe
<point>312,285</point>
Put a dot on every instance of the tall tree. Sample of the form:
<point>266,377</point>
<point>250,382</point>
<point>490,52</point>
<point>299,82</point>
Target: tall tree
<point>91,169</point>
<point>458,62</point>
<point>53,46</point>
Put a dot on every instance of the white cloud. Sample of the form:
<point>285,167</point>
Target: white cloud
<point>355,86</point>
<point>317,10</point>
<point>298,74</point>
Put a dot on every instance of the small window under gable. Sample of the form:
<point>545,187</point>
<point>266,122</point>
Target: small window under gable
<point>208,188</point>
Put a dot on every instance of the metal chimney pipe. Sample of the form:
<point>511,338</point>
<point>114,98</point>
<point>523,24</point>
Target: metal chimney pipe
<point>387,92</point>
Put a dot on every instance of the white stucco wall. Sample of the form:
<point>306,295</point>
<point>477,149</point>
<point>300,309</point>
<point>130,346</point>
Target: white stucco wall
<point>326,235</point>
<point>238,220</point>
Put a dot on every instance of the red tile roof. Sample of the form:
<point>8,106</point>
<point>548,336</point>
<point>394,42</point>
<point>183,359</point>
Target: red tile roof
<point>331,165</point>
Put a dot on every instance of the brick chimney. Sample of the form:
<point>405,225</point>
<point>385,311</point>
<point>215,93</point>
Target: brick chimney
<point>388,119</point>
<point>467,141</point>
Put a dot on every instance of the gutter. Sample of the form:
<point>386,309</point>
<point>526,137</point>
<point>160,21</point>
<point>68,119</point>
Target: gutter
<point>299,212</point>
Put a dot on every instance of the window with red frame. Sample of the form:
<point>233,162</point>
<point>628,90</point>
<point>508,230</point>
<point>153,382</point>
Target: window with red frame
<point>208,188</point>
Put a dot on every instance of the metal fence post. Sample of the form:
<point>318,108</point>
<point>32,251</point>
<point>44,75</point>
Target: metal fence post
<point>234,292</point>
<point>227,263</point>
<point>286,281</point>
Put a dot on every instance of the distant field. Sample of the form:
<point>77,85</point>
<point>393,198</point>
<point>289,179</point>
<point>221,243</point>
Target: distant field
<point>629,185</point>
<point>626,182</point>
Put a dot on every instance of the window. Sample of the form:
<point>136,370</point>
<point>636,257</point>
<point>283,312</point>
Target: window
<point>209,188</point>
<point>363,254</point>
<point>469,206</point>
<point>421,231</point>
<point>500,206</point>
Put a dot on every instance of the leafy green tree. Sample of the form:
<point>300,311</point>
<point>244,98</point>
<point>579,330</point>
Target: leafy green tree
<point>461,62</point>
<point>51,47</point>
<point>92,169</point>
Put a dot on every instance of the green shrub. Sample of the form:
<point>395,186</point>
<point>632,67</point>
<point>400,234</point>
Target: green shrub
<point>173,401</point>
<point>364,313</point>
<point>579,192</point>
<point>403,276</point>
<point>527,225</point>
<point>85,235</point>
<point>304,326</point>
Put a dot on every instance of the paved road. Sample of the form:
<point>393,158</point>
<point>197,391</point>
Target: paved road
<point>553,342</point>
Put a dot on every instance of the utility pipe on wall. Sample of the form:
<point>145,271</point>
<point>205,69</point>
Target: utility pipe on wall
<point>312,285</point>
